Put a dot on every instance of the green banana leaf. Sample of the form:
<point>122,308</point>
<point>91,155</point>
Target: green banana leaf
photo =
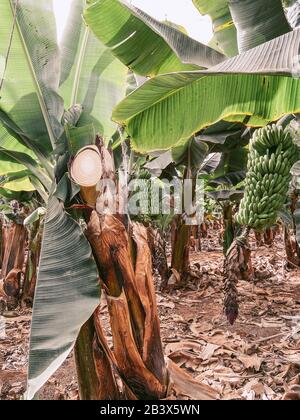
<point>257,83</point>
<point>9,166</point>
<point>18,141</point>
<point>258,21</point>
<point>32,70</point>
<point>143,44</point>
<point>67,294</point>
<point>91,76</point>
<point>18,185</point>
<point>192,154</point>
<point>28,162</point>
<point>225,35</point>
<point>20,196</point>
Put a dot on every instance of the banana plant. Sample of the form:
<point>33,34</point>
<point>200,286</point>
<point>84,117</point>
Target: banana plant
<point>254,87</point>
<point>40,88</point>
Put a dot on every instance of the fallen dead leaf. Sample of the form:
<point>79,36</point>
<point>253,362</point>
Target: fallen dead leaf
<point>251,362</point>
<point>184,385</point>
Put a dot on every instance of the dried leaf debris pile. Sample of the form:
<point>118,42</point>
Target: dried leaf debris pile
<point>256,359</point>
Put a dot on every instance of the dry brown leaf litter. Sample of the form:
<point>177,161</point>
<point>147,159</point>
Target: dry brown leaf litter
<point>258,358</point>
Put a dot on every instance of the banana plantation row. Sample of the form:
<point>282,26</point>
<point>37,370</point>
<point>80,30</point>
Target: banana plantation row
<point>126,98</point>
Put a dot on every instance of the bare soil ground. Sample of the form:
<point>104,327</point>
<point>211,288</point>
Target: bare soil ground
<point>257,358</point>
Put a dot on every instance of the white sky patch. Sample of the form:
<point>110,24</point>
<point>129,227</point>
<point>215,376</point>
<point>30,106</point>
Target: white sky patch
<point>61,9</point>
<point>181,12</point>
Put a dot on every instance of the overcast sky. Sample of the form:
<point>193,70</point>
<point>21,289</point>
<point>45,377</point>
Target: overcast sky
<point>178,11</point>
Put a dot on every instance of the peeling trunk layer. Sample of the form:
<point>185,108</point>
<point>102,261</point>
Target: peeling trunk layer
<point>108,390</point>
<point>109,241</point>
<point>131,302</point>
<point>153,354</point>
<point>139,379</point>
<point>14,253</point>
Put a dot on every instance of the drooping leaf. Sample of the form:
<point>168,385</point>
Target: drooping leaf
<point>67,294</point>
<point>20,196</point>
<point>143,44</point>
<point>232,167</point>
<point>192,154</point>
<point>19,184</point>
<point>157,165</point>
<point>14,139</point>
<point>258,21</point>
<point>29,163</point>
<point>210,164</point>
<point>224,136</point>
<point>256,83</point>
<point>9,166</point>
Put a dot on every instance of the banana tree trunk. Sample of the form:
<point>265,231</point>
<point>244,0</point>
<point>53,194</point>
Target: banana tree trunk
<point>14,253</point>
<point>13,261</point>
<point>128,281</point>
<point>236,268</point>
<point>125,268</point>
<point>181,235</point>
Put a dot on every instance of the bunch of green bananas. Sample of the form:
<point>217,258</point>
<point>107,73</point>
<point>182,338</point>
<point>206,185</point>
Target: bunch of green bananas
<point>272,155</point>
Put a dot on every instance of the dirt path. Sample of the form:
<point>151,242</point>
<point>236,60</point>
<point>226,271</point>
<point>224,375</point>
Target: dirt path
<point>258,358</point>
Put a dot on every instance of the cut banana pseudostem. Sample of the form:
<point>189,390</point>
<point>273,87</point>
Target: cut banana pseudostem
<point>272,155</point>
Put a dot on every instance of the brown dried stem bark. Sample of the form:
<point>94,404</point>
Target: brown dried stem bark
<point>131,302</point>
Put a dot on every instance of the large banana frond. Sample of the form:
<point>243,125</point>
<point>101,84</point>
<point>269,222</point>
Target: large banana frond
<point>67,294</point>
<point>258,21</point>
<point>143,44</point>
<point>257,83</point>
